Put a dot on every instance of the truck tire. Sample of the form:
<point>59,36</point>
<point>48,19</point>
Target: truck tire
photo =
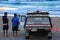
<point>49,37</point>
<point>27,37</point>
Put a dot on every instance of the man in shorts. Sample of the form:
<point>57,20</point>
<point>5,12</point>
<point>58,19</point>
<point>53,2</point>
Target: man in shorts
<point>15,22</point>
<point>5,24</point>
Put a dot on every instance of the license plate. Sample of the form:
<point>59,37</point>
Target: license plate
<point>34,30</point>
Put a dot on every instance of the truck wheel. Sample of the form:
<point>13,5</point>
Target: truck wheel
<point>49,37</point>
<point>27,37</point>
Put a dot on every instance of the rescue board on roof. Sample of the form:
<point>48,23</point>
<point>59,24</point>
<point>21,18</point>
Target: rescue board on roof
<point>37,13</point>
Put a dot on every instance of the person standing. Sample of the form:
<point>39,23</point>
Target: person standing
<point>19,23</point>
<point>5,24</point>
<point>15,21</point>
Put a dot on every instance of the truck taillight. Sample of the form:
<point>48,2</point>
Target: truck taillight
<point>26,28</point>
<point>49,29</point>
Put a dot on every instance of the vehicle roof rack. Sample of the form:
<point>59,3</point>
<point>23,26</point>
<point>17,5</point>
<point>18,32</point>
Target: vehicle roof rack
<point>38,12</point>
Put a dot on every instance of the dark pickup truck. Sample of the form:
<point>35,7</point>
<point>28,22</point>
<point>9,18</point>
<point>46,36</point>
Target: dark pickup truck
<point>38,22</point>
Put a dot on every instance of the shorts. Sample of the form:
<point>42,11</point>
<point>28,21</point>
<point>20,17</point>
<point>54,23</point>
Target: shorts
<point>15,29</point>
<point>5,27</point>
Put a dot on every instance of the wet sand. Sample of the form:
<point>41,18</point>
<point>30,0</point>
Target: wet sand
<point>55,35</point>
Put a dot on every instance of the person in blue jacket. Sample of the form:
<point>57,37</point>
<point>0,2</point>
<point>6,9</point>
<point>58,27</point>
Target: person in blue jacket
<point>15,22</point>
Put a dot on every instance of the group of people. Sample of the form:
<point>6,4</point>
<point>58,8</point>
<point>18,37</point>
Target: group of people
<point>15,24</point>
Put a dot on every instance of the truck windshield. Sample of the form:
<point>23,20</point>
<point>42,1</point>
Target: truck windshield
<point>38,20</point>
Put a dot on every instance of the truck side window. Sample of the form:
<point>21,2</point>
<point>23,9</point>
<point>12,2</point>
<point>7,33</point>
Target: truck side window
<point>23,17</point>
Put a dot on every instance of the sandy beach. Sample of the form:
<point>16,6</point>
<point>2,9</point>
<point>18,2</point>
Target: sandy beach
<point>55,35</point>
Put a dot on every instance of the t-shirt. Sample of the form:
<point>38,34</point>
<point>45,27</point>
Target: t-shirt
<point>15,21</point>
<point>5,20</point>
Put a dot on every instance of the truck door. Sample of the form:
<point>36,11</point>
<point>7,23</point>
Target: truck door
<point>22,21</point>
